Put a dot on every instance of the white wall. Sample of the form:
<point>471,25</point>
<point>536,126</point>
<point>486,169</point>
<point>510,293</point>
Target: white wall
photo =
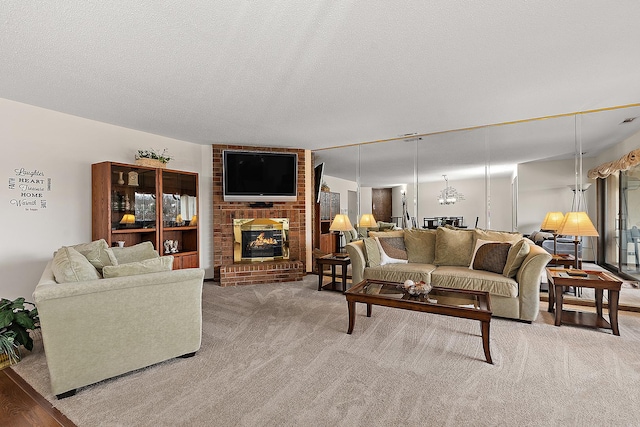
<point>63,147</point>
<point>342,186</point>
<point>543,187</point>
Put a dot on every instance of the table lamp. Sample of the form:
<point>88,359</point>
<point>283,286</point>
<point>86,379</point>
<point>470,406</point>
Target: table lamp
<point>340,224</point>
<point>552,222</point>
<point>577,224</point>
<point>367,221</point>
<point>128,219</point>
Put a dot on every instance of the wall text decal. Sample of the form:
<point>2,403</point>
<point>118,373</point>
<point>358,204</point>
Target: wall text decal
<point>29,189</point>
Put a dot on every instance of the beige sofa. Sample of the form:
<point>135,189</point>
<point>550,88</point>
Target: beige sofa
<point>96,328</point>
<point>506,265</point>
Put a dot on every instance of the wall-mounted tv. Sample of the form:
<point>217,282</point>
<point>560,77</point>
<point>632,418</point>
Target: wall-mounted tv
<point>255,176</point>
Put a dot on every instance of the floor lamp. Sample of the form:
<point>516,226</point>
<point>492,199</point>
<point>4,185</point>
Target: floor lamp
<point>577,224</point>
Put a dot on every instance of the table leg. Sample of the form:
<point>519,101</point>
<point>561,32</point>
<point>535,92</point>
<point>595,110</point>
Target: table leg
<point>552,296</point>
<point>599,293</point>
<point>613,310</point>
<point>369,310</point>
<point>352,315</point>
<point>485,341</point>
<point>333,277</point>
<point>320,275</point>
<point>344,278</point>
<point>558,291</point>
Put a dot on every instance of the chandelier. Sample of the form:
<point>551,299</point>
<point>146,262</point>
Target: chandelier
<point>449,195</point>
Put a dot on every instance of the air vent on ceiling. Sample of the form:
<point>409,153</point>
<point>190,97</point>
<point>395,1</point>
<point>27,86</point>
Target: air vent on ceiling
<point>629,120</point>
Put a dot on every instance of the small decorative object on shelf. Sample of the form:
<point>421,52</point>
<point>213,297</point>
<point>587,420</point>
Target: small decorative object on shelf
<point>133,179</point>
<point>120,178</point>
<point>152,159</point>
<point>325,187</point>
<point>170,246</point>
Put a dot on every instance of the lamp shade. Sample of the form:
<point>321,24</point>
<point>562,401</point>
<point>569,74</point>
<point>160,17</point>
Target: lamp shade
<point>367,220</point>
<point>577,224</point>
<point>552,221</point>
<point>128,219</point>
<point>341,223</point>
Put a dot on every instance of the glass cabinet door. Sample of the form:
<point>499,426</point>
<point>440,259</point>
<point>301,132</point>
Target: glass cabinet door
<point>180,217</point>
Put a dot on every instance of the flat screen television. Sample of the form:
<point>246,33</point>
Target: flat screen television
<point>319,176</point>
<point>255,176</point>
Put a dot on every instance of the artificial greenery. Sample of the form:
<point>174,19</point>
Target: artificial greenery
<point>17,318</point>
<point>164,157</point>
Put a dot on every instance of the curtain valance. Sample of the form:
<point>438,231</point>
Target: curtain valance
<point>622,164</point>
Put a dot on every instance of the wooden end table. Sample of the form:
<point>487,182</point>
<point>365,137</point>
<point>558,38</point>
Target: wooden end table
<point>333,260</point>
<point>599,281</point>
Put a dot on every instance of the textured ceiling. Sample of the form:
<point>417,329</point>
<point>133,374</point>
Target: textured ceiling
<point>318,74</point>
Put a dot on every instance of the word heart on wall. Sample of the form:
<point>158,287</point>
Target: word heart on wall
<point>29,189</point>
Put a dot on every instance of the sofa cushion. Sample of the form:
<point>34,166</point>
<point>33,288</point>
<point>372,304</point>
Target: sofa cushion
<point>151,265</point>
<point>491,256</point>
<point>517,254</point>
<point>496,236</point>
<point>479,280</point>
<point>371,251</point>
<point>389,233</point>
<point>421,245</point>
<point>69,265</point>
<point>392,250</point>
<point>400,272</point>
<point>134,253</point>
<point>453,246</point>
<point>98,253</point>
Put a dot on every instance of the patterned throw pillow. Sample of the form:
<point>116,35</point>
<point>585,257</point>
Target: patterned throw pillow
<point>517,254</point>
<point>491,257</point>
<point>392,250</point>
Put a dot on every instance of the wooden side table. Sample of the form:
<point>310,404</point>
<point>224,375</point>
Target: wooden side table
<point>599,281</point>
<point>333,260</point>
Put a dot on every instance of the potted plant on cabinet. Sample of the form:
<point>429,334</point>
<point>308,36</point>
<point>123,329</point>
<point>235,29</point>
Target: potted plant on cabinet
<point>17,318</point>
<point>152,158</point>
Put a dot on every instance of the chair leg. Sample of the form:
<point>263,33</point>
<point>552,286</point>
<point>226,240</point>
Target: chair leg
<point>66,394</point>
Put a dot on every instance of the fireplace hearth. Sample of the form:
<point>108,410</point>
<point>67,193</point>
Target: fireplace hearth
<point>260,240</point>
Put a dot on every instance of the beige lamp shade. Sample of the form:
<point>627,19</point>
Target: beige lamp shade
<point>367,220</point>
<point>552,221</point>
<point>341,223</point>
<point>577,224</point>
<point>128,219</point>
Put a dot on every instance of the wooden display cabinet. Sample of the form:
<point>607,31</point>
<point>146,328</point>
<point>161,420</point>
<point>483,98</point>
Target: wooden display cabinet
<point>134,204</point>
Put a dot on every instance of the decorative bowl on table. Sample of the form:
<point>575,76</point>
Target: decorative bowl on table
<point>416,288</point>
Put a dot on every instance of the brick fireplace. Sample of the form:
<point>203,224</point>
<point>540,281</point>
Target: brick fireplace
<point>230,271</point>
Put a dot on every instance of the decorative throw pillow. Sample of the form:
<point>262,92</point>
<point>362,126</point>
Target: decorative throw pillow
<point>421,245</point>
<point>497,236</point>
<point>70,265</point>
<point>392,250</point>
<point>372,252</point>
<point>139,252</point>
<point>492,257</point>
<point>98,253</point>
<point>151,265</point>
<point>517,254</point>
<point>453,247</point>
<point>477,246</point>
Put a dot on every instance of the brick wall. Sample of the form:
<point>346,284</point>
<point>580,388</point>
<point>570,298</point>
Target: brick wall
<point>224,213</point>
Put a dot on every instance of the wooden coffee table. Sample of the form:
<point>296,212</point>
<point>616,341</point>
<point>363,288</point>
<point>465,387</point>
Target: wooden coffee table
<point>598,280</point>
<point>466,304</point>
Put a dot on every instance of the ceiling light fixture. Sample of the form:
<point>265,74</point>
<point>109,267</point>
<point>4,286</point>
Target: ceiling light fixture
<point>449,195</point>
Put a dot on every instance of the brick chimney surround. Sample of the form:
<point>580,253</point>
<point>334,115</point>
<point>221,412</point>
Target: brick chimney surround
<point>226,271</point>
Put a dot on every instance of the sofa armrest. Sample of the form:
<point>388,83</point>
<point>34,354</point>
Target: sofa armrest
<point>528,278</point>
<point>355,250</point>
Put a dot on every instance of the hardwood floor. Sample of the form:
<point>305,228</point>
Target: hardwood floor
<point>21,405</point>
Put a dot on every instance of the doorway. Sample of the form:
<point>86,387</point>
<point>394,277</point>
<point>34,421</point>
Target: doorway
<point>381,204</point>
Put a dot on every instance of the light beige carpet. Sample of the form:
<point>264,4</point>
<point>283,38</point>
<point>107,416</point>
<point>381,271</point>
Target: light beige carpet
<point>278,355</point>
